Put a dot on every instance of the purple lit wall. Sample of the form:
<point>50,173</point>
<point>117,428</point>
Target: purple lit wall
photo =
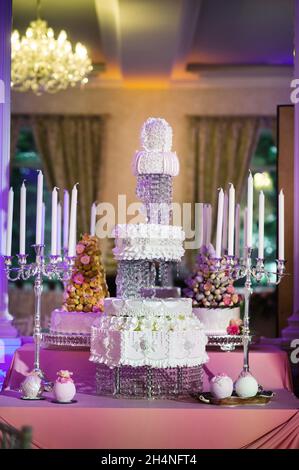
<point>5,30</point>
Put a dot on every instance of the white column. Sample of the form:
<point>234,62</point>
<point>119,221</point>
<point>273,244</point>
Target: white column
<point>7,332</point>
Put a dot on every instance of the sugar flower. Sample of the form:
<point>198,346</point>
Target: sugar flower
<point>85,259</point>
<point>78,278</point>
<point>64,376</point>
<point>80,248</point>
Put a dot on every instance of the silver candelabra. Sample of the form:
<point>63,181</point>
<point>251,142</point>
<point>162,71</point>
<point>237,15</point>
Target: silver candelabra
<point>56,268</point>
<point>244,268</point>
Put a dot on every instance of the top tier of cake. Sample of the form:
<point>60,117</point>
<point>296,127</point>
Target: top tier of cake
<point>156,156</point>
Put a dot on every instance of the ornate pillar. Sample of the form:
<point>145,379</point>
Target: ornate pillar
<point>8,340</point>
<point>292,330</point>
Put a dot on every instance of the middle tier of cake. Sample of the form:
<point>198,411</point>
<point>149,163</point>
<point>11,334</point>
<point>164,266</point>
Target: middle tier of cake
<point>148,242</point>
<point>148,308</point>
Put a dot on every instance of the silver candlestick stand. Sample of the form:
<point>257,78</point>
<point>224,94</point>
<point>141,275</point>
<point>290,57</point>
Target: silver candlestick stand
<point>245,269</point>
<point>56,268</point>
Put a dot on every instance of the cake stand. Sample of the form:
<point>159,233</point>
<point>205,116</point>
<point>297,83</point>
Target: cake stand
<point>54,340</point>
<point>148,382</point>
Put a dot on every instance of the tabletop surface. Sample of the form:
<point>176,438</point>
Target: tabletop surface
<point>282,400</point>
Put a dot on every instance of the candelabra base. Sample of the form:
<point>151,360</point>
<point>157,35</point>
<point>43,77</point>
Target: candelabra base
<point>33,399</point>
<point>47,385</point>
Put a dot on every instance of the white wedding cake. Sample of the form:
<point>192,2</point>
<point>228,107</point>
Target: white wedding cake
<point>144,330</point>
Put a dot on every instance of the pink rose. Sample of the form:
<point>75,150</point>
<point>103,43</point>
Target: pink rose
<point>230,289</point>
<point>85,259</point>
<point>227,300</point>
<point>233,330</point>
<point>78,278</point>
<point>80,248</point>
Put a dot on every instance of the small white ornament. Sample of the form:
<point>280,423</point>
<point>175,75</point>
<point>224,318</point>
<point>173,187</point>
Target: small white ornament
<point>221,386</point>
<point>32,386</point>
<point>64,387</point>
<point>246,386</point>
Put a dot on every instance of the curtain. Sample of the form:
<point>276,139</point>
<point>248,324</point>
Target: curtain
<point>222,150</point>
<point>71,148</point>
<point>17,122</point>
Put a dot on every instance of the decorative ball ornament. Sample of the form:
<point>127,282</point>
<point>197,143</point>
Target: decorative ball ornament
<point>246,386</point>
<point>64,387</point>
<point>221,386</point>
<point>156,135</point>
<point>32,386</point>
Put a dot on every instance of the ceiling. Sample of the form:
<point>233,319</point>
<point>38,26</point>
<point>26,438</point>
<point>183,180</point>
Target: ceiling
<point>173,41</point>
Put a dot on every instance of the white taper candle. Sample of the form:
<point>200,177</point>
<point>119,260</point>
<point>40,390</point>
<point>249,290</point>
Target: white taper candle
<point>224,228</point>
<point>59,229</point>
<point>9,222</point>
<point>73,223</point>
<point>66,219</point>
<point>261,225</point>
<point>43,223</point>
<point>237,231</point>
<point>54,222</point>
<point>39,207</point>
<point>231,220</point>
<point>249,210</point>
<point>209,224</point>
<point>219,223</point>
<point>22,248</point>
<point>245,232</point>
<point>281,225</point>
<point>93,215</point>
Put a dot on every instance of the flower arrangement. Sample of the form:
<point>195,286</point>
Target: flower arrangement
<point>86,290</point>
<point>208,288</point>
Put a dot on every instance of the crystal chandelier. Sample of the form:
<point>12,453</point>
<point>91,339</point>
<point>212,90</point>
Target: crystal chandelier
<point>41,63</point>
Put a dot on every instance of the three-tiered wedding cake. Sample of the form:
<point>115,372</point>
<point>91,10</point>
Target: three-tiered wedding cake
<point>149,332</point>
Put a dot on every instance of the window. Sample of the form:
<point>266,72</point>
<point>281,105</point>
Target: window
<point>264,168</point>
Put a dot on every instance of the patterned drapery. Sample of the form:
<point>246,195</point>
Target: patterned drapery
<point>71,148</point>
<point>222,151</point>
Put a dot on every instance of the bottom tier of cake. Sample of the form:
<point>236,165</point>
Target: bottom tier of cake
<point>160,349</point>
<point>147,382</point>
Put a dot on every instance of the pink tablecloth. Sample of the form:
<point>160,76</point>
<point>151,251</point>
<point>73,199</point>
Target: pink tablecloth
<point>107,423</point>
<point>268,364</point>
